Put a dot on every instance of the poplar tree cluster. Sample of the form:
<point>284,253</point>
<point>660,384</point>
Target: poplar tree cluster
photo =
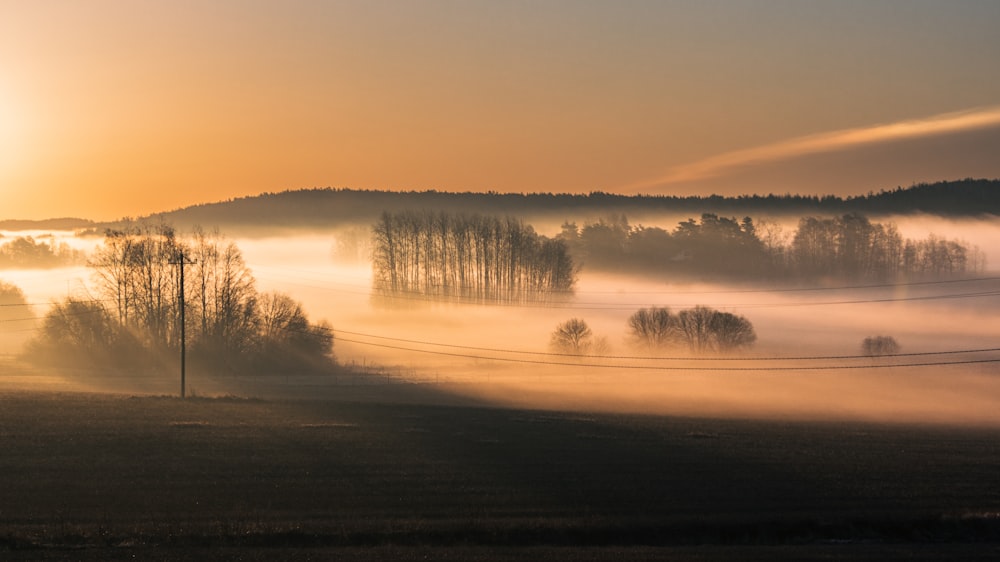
<point>479,257</point>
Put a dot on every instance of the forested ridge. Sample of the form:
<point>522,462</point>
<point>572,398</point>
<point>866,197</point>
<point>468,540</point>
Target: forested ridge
<point>311,208</point>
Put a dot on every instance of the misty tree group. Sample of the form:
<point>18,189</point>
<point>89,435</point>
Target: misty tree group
<point>877,346</point>
<point>134,319</point>
<point>13,305</point>
<point>848,247</point>
<point>480,257</point>
<point>701,329</point>
<point>656,329</point>
<point>27,252</point>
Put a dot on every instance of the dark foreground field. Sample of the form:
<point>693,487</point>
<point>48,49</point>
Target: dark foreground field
<point>96,477</point>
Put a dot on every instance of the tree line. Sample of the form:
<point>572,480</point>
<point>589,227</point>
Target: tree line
<point>133,319</point>
<point>324,207</point>
<point>480,257</point>
<point>27,252</point>
<point>848,247</point>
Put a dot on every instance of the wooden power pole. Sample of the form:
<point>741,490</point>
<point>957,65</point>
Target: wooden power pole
<point>181,261</point>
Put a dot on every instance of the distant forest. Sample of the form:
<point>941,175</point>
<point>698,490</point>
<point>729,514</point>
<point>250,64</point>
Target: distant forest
<point>329,207</point>
<point>490,258</point>
<point>26,252</point>
<point>848,247</point>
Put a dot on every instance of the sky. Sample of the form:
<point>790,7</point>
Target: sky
<point>115,108</point>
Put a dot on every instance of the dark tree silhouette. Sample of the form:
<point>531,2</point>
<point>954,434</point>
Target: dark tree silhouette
<point>653,328</point>
<point>877,346</point>
<point>849,247</point>
<point>731,331</point>
<point>479,257</point>
<point>572,336</point>
<point>695,327</point>
<point>83,333</point>
<point>704,329</point>
<point>12,302</point>
<point>230,326</point>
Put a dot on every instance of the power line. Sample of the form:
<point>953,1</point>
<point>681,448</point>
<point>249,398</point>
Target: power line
<point>673,292</point>
<point>723,291</point>
<point>633,306</point>
<point>412,295</point>
<point>63,313</point>
<point>769,290</point>
<point>642,358</point>
<point>53,303</point>
<point>671,368</point>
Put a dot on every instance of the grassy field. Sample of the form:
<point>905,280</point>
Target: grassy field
<point>378,474</point>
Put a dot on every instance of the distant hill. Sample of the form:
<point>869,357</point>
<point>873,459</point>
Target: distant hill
<point>46,224</point>
<point>328,207</point>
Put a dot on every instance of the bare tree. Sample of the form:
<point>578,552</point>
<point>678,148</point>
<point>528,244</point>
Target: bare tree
<point>695,328</point>
<point>877,346</point>
<point>288,338</point>
<point>653,327</point>
<point>135,271</point>
<point>705,329</point>
<point>572,336</point>
<point>480,257</point>
<point>731,331</point>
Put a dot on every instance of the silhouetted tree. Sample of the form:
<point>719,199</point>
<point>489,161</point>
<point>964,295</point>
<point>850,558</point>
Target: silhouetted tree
<point>605,243</point>
<point>695,327</point>
<point>877,346</point>
<point>481,257</point>
<point>224,312</point>
<point>132,269</point>
<point>84,333</point>
<point>705,329</point>
<point>287,337</point>
<point>653,327</point>
<point>852,247</point>
<point>731,331</point>
<point>572,336</point>
<point>230,325</point>
<point>12,302</point>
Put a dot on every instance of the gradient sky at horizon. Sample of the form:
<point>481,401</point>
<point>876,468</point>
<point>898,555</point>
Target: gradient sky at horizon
<point>113,107</point>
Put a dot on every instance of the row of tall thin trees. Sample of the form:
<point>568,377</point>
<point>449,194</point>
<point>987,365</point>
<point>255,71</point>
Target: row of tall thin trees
<point>479,257</point>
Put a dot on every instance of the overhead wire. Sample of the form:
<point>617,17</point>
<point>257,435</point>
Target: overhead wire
<point>697,292</point>
<point>661,358</point>
<point>412,295</point>
<point>671,368</point>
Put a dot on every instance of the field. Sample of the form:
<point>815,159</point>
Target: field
<point>413,473</point>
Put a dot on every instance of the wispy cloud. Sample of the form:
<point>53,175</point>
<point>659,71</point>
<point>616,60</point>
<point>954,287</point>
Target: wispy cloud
<point>827,142</point>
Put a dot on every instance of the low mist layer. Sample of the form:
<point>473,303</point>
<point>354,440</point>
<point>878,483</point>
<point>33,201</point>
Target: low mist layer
<point>502,354</point>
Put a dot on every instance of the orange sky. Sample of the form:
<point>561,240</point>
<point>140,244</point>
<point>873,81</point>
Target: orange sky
<point>113,108</point>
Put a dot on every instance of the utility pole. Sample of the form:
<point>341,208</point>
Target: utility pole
<point>181,261</point>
